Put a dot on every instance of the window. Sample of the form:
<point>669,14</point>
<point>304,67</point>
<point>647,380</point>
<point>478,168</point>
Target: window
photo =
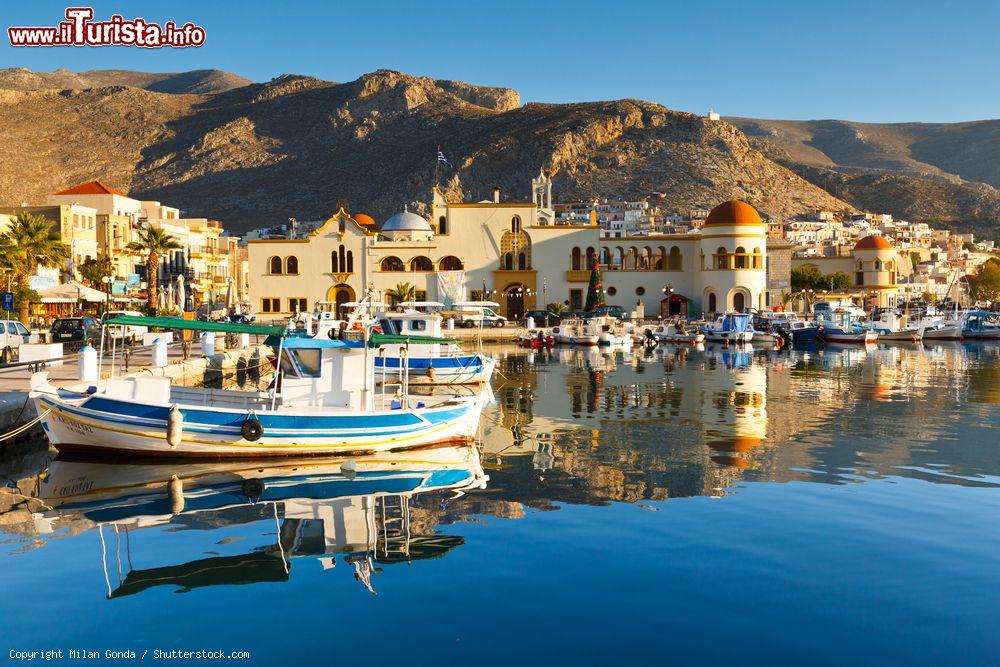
<point>305,363</point>
<point>721,260</point>
<point>270,305</point>
<point>507,261</point>
<point>574,261</point>
<point>711,302</point>
<point>859,278</point>
<point>334,261</point>
<point>640,290</point>
<point>674,259</point>
<point>576,299</point>
<point>274,266</point>
<point>612,290</point>
<point>878,265</point>
<point>515,224</point>
<point>296,305</point>
<point>741,259</point>
<point>350,261</point>
<point>421,264</point>
<point>292,264</point>
<point>442,225</point>
<point>451,263</point>
<point>392,263</point>
<point>522,261</point>
<point>757,258</point>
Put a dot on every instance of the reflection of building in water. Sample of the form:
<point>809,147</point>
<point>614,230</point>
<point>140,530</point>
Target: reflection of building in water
<point>321,509</point>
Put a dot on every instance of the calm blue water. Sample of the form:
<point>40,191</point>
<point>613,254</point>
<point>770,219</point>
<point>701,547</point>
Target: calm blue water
<point>682,507</point>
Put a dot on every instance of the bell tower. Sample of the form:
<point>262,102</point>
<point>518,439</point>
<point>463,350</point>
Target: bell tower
<point>541,190</point>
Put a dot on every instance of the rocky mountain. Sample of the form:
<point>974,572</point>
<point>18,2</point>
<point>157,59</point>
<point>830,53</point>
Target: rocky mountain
<point>203,81</point>
<point>936,172</point>
<point>295,146</point>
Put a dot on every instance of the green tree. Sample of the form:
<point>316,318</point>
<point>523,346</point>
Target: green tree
<point>837,280</point>
<point>806,278</point>
<point>400,293</point>
<point>153,242</point>
<point>557,308</point>
<point>30,242</point>
<point>92,271</point>
<point>984,282</point>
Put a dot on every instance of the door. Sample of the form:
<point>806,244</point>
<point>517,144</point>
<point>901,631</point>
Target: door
<point>515,303</point>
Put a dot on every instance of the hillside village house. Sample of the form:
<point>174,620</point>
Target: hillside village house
<point>516,254</point>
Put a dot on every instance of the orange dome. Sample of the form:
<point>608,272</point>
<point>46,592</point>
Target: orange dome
<point>364,220</point>
<point>733,213</point>
<point>873,243</point>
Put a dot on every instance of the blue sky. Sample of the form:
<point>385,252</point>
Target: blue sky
<point>871,61</point>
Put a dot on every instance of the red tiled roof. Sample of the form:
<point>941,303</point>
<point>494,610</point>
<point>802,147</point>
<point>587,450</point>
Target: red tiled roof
<point>91,188</point>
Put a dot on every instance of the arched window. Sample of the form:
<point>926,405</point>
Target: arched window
<point>741,258</point>
<point>618,259</point>
<point>674,259</point>
<point>888,265</point>
<point>574,262</point>
<point>516,244</point>
<point>350,261</point>
<point>274,266</point>
<point>758,259</point>
<point>630,257</point>
<point>878,265</point>
<point>392,263</point>
<point>588,259</point>
<point>522,261</point>
<point>861,265</point>
<point>342,226</point>
<point>334,263</point>
<point>442,225</point>
<point>711,302</point>
<point>450,263</point>
<point>721,259</point>
<point>291,264</point>
<point>605,257</point>
<point>515,224</point>
<point>421,264</point>
<point>507,261</point>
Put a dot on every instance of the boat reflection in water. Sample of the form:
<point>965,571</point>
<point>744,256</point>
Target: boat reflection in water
<point>320,508</point>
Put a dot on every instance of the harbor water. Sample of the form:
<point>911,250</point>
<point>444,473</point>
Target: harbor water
<point>685,505</point>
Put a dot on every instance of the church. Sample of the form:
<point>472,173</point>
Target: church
<point>514,253</point>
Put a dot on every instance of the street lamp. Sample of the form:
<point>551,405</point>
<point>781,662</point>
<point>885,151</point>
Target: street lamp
<point>668,289</point>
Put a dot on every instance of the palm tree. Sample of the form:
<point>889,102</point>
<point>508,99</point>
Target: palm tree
<point>400,293</point>
<point>154,242</point>
<point>30,242</point>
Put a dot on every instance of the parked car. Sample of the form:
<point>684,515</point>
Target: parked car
<point>478,313</point>
<point>75,331</point>
<point>128,332</point>
<point>543,318</point>
<point>12,334</point>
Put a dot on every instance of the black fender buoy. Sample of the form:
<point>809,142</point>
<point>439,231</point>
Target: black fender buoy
<point>253,488</point>
<point>332,333</point>
<point>252,429</point>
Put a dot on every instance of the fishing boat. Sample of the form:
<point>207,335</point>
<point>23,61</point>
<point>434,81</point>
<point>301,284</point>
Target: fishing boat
<point>609,330</point>
<point>677,333</point>
<point>433,363</point>
<point>730,328</point>
<point>536,339</point>
<point>322,401</point>
<point>980,325</point>
<point>800,331</point>
<point>839,327</point>
<point>892,327</point>
<point>574,331</point>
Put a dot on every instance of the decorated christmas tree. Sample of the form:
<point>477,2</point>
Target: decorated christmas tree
<point>595,290</point>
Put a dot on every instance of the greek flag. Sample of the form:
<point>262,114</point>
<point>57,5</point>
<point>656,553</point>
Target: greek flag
<point>442,158</point>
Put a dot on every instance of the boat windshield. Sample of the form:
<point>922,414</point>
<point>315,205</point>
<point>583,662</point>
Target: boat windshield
<point>304,363</point>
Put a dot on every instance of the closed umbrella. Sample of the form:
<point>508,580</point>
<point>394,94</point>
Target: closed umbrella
<point>181,297</point>
<point>231,296</point>
<point>162,300</point>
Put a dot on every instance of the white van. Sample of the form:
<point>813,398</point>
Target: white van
<point>478,313</point>
<point>133,333</point>
<point>12,335</point>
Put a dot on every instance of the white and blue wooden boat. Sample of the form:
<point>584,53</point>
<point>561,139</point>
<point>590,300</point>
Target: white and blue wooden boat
<point>426,363</point>
<point>839,327</point>
<point>980,325</point>
<point>323,401</point>
<point>730,328</point>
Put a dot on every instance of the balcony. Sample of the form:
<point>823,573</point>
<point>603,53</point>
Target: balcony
<point>577,276</point>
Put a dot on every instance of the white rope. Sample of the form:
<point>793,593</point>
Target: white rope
<point>23,427</point>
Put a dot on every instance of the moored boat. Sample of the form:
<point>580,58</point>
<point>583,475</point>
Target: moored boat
<point>678,333</point>
<point>730,328</point>
<point>838,327</point>
<point>433,363</point>
<point>323,401</point>
<point>980,325</point>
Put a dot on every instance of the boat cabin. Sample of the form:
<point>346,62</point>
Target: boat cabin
<point>323,373</point>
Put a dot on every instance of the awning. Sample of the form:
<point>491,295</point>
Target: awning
<point>73,292</point>
<point>197,325</point>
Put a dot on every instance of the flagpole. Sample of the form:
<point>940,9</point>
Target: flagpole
<point>437,167</point>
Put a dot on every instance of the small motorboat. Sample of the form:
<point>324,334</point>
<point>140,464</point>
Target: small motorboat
<point>678,333</point>
<point>536,339</point>
<point>730,328</point>
<point>838,327</point>
<point>800,331</point>
<point>427,362</point>
<point>574,331</point>
<point>892,327</point>
<point>980,325</point>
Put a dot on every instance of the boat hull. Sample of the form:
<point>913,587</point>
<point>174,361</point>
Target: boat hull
<point>739,337</point>
<point>904,336</point>
<point>849,337</point>
<point>803,335</point>
<point>943,333</point>
<point>111,426</point>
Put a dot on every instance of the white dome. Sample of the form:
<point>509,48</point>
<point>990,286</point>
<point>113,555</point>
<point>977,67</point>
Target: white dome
<point>406,222</point>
